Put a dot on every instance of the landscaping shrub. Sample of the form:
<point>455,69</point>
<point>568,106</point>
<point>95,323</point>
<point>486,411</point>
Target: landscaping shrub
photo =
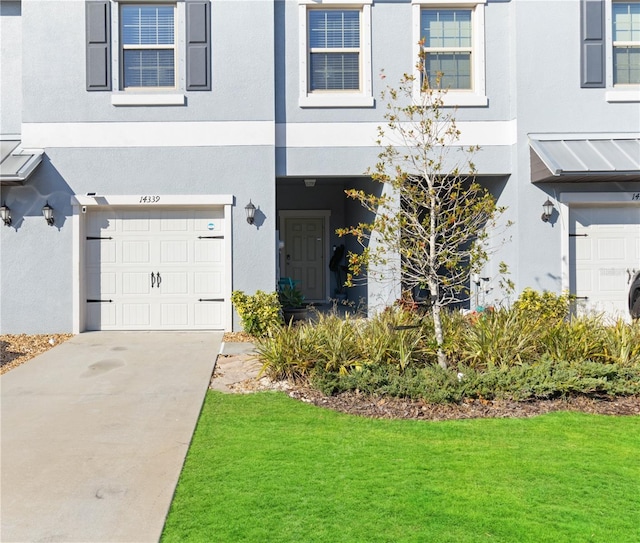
<point>544,305</point>
<point>259,312</point>
<point>530,351</point>
<point>544,379</point>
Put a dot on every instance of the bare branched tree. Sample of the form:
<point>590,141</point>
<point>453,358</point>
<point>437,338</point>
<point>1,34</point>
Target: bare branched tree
<point>433,221</point>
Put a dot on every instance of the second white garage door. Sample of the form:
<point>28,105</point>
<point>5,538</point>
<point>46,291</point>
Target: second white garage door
<point>605,253</point>
<point>155,269</point>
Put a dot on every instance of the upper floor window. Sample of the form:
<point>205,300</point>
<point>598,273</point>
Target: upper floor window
<point>447,47</point>
<point>161,47</point>
<point>626,43</point>
<point>147,36</point>
<point>449,37</point>
<point>335,53</point>
<point>334,50</point>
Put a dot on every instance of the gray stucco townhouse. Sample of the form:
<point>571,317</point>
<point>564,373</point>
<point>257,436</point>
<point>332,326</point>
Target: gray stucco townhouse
<point>135,134</point>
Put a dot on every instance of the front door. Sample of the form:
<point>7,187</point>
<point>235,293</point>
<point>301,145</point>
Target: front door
<point>304,259</point>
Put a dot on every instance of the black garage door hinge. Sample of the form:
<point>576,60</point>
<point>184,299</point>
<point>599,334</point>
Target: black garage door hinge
<point>99,301</point>
<point>210,237</point>
<point>578,235</point>
<point>211,299</point>
<point>97,237</point>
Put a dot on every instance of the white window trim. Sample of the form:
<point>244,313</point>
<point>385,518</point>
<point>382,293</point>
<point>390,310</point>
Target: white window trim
<point>615,93</point>
<point>361,98</point>
<point>454,97</point>
<point>149,96</point>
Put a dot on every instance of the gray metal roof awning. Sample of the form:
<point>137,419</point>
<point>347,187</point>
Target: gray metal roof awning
<point>580,158</point>
<point>16,164</point>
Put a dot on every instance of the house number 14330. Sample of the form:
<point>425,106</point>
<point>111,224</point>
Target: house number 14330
<point>149,199</point>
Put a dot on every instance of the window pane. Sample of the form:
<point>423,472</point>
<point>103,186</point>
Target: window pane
<point>147,25</point>
<point>454,70</point>
<point>334,71</point>
<point>626,66</point>
<point>446,28</point>
<point>334,29</point>
<point>148,68</point>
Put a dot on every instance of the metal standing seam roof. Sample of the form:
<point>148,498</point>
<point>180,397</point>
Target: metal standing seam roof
<point>16,164</point>
<point>579,158</point>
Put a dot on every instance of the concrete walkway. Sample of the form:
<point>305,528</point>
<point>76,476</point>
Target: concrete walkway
<point>95,432</point>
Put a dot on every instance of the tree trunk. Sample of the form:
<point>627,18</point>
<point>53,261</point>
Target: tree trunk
<point>437,325</point>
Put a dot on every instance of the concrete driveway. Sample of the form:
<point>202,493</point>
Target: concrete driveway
<point>95,432</point>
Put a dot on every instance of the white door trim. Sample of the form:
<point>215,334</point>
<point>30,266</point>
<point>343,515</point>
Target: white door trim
<point>310,214</point>
<point>590,199</point>
<point>80,205</point>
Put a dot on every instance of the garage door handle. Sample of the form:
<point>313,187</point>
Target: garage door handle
<point>153,280</point>
<point>158,279</point>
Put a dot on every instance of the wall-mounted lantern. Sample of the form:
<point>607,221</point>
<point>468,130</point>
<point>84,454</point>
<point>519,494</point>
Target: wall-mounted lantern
<point>547,210</point>
<point>251,212</point>
<point>5,214</point>
<point>47,212</point>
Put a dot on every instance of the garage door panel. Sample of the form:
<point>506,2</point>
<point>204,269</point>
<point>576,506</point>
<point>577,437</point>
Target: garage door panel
<point>172,222</point>
<point>209,251</point>
<point>174,315</point>
<point>583,249</point>
<point>613,249</point>
<point>604,249</point>
<point>175,283</point>
<point>136,282</point>
<point>136,314</point>
<point>612,279</point>
<point>135,221</point>
<point>136,252</point>
<point>101,251</point>
<point>175,245</point>
<point>101,316</point>
<point>209,315</point>
<point>210,221</point>
<point>208,283</point>
<point>101,222</point>
<point>174,251</point>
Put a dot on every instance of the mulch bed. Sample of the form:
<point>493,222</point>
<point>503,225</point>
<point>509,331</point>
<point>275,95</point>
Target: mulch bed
<point>393,408</point>
<point>16,349</point>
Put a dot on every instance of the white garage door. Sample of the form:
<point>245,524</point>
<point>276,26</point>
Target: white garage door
<point>605,253</point>
<point>155,269</point>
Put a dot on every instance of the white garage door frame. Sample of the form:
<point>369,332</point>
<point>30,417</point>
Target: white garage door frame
<point>568,200</point>
<point>82,204</point>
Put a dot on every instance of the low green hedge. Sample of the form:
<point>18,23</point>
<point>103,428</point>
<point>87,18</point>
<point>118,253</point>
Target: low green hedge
<point>519,353</point>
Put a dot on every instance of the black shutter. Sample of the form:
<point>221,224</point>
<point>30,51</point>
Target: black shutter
<point>592,73</point>
<point>198,45</point>
<point>98,20</point>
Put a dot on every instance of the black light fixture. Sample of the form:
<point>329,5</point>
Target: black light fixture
<point>5,214</point>
<point>548,210</point>
<point>251,212</point>
<point>47,211</point>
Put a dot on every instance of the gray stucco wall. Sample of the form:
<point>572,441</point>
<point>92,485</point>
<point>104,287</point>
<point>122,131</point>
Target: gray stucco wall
<point>10,67</point>
<point>550,100</point>
<point>54,77</point>
<point>36,259</point>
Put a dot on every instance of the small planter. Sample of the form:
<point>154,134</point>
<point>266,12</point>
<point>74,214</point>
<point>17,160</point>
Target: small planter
<point>294,314</point>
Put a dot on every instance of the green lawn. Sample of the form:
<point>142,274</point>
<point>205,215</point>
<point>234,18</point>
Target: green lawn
<point>266,468</point>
